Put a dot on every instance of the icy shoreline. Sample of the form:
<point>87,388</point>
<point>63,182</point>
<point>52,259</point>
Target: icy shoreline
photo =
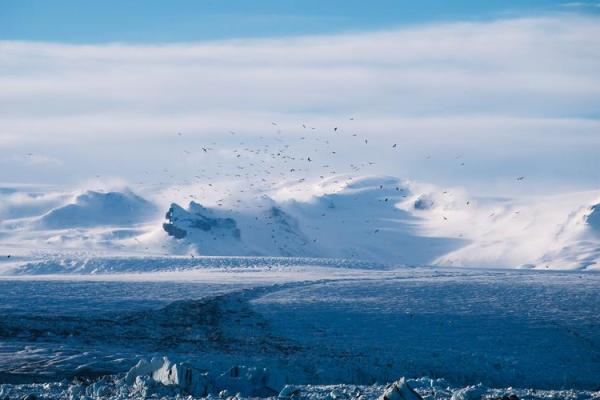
<point>162,379</point>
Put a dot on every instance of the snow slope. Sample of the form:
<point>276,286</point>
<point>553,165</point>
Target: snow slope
<point>372,218</point>
<point>557,232</point>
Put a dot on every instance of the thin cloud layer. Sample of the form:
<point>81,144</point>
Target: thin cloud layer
<point>456,84</point>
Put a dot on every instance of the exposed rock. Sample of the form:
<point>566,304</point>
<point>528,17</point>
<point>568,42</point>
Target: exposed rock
<point>510,397</point>
<point>593,218</point>
<point>423,203</point>
<point>197,218</point>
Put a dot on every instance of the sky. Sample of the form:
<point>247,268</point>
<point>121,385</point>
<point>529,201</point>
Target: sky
<point>151,21</point>
<point>472,93</point>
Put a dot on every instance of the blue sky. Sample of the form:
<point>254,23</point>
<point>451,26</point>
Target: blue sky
<point>150,21</point>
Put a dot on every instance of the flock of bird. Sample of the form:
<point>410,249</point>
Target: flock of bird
<point>272,161</point>
<point>275,160</point>
<point>268,163</point>
<point>260,164</point>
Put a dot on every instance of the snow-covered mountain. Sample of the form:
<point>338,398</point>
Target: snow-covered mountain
<point>86,221</point>
<point>268,231</point>
<point>341,217</point>
<point>93,209</point>
<point>394,221</point>
<point>374,218</point>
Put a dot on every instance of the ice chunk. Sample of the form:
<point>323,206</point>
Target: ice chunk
<point>190,380</point>
<point>400,390</point>
<point>251,381</point>
<point>469,393</point>
<point>337,394</point>
<point>289,391</point>
<point>183,376</point>
<point>143,367</point>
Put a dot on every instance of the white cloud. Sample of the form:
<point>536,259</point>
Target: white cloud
<point>521,67</point>
<point>454,85</point>
<point>22,204</point>
<point>35,160</point>
<point>581,4</point>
